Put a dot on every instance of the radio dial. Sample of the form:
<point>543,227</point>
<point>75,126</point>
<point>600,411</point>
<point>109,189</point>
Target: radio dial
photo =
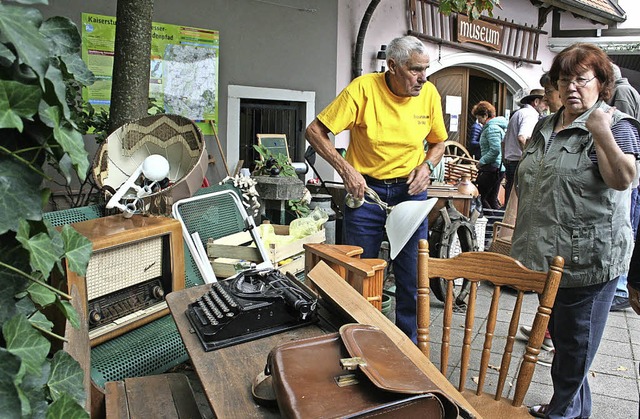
<point>94,316</point>
<point>158,292</point>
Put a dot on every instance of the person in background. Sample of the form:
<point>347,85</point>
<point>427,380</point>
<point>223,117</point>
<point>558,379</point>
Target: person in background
<point>626,99</point>
<point>490,169</point>
<point>389,116</point>
<point>519,130</point>
<point>573,201</point>
<point>474,138</point>
<point>551,94</point>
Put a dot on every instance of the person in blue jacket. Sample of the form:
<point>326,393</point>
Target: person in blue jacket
<point>490,168</point>
<point>474,139</point>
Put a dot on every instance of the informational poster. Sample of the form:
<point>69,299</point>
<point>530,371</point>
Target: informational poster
<point>184,67</point>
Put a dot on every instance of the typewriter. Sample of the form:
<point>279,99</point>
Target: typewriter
<point>253,304</point>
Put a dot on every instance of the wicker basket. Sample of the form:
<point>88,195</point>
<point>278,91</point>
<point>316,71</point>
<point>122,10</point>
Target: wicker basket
<point>176,138</point>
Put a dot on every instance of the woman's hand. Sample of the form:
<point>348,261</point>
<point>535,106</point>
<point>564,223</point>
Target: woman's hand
<point>617,168</point>
<point>599,122</point>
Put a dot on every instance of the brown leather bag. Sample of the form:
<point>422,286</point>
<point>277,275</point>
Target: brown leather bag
<point>309,381</point>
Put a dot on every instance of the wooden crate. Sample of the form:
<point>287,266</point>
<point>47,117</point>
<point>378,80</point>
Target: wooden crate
<point>279,252</point>
<point>226,252</point>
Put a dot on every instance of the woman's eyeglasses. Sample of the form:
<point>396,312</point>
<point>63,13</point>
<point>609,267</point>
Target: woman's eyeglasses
<point>579,82</point>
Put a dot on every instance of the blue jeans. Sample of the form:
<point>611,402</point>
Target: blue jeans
<point>365,227</point>
<point>576,325</point>
<point>510,174</point>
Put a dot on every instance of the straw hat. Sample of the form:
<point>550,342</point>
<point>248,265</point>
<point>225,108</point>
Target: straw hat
<point>533,94</point>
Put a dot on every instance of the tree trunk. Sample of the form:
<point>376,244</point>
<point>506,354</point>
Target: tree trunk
<point>131,63</point>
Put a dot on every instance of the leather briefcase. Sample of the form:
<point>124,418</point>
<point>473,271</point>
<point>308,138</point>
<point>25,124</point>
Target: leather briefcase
<point>356,373</point>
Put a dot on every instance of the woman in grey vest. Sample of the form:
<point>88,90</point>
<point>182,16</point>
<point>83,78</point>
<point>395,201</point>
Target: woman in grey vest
<point>573,191</point>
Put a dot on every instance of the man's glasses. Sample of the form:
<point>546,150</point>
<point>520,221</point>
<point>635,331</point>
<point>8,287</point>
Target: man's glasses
<point>579,82</point>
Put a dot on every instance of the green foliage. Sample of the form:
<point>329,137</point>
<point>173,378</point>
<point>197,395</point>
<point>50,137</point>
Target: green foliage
<point>41,74</point>
<point>299,206</point>
<point>472,8</point>
<point>264,166</point>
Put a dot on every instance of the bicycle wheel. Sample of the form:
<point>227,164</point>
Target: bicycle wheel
<point>449,226</point>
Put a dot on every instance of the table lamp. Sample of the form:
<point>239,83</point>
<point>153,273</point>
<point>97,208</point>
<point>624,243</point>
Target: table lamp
<point>402,220</point>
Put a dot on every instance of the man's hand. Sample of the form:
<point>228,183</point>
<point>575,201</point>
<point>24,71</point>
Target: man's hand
<point>634,294</point>
<point>419,180</point>
<point>318,136</point>
<point>354,182</point>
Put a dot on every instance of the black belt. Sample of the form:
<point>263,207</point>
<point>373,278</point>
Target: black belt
<point>512,161</point>
<point>374,181</point>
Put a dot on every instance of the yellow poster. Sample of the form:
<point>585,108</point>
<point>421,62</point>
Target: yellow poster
<point>183,78</point>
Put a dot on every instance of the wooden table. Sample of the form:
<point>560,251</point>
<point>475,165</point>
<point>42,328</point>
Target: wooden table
<point>461,202</point>
<point>226,374</point>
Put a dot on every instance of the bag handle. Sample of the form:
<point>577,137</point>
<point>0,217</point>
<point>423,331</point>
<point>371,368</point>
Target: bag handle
<point>262,390</point>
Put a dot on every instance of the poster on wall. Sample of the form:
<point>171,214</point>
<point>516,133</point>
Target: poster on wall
<point>183,78</point>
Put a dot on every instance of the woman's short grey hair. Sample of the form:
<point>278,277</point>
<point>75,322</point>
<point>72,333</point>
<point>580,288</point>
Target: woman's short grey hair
<point>400,49</point>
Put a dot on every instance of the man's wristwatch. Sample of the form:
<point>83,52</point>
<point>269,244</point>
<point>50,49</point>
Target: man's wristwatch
<point>429,165</point>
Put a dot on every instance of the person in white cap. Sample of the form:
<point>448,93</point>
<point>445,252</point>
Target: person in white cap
<point>518,132</point>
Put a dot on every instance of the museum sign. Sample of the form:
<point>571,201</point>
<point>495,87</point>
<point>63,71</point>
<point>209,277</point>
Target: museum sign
<point>479,32</point>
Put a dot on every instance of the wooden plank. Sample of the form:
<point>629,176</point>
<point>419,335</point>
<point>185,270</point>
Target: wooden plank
<point>224,267</point>
<point>249,253</point>
<point>183,396</point>
<point>116,405</point>
<point>143,397</point>
<point>345,299</point>
<point>280,252</point>
<point>235,239</point>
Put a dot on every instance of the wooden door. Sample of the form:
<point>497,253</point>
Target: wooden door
<point>453,81</point>
<point>472,86</point>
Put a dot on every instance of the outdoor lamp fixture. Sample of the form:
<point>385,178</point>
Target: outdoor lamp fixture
<point>154,168</point>
<point>382,57</point>
<point>402,220</point>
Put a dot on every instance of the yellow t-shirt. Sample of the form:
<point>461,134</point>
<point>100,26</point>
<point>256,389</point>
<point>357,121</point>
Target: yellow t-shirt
<point>387,131</point>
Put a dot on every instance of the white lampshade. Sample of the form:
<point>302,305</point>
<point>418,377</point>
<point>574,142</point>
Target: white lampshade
<point>403,220</point>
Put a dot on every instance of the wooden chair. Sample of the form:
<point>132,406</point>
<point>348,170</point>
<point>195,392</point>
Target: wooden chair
<point>503,230</point>
<point>500,271</point>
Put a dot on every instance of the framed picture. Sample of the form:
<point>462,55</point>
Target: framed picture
<point>275,143</point>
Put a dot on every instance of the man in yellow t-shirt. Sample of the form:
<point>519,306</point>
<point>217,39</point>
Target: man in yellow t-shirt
<point>389,116</point>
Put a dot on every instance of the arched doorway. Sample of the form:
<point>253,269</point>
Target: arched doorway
<point>473,77</point>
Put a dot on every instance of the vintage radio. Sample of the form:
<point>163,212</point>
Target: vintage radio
<point>135,262</point>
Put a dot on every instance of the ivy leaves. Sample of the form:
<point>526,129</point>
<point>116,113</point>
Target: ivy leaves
<point>39,59</point>
<point>28,379</point>
<point>473,8</point>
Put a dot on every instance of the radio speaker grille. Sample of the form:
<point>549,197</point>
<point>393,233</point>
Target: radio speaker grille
<point>119,267</point>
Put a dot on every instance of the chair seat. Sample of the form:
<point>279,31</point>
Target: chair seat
<point>488,407</point>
